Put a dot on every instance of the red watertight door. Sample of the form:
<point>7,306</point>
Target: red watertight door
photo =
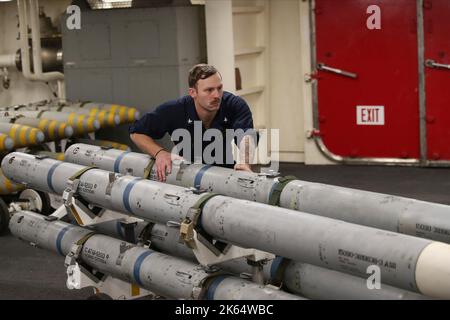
<point>437,78</point>
<point>373,109</point>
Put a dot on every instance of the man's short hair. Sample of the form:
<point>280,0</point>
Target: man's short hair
<point>200,72</point>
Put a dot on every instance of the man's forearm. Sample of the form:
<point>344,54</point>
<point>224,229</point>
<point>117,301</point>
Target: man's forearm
<point>145,143</point>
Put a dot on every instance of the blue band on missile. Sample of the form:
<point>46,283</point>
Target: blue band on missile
<point>126,194</point>
<point>50,176</point>
<point>137,267</point>
<point>117,162</point>
<point>59,239</point>
<point>272,190</point>
<point>199,176</point>
<point>213,286</point>
<point>274,267</point>
<point>119,229</point>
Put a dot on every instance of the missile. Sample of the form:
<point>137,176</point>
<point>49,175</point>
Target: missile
<point>81,124</point>
<point>52,129</point>
<point>126,114</point>
<point>6,143</point>
<point>7,186</point>
<point>406,262</point>
<point>162,274</point>
<point>303,279</point>
<point>106,118</point>
<point>22,136</point>
<point>382,211</point>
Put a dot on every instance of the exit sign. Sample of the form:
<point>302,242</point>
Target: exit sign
<point>370,115</point>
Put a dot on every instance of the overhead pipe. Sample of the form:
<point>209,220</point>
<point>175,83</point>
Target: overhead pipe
<point>37,75</point>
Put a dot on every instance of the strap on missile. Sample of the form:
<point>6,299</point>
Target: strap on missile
<point>190,221</point>
<point>148,168</point>
<point>75,250</point>
<point>78,174</point>
<point>274,198</point>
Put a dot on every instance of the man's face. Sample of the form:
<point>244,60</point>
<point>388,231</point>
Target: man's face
<point>208,93</point>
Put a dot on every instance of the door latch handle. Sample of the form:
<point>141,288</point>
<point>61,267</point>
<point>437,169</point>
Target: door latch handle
<point>433,64</point>
<point>324,67</point>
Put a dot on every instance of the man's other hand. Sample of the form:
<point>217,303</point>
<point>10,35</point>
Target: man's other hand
<point>242,167</point>
<point>163,164</point>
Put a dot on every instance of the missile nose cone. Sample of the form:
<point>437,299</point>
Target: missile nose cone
<point>68,131</point>
<point>8,144</point>
<point>40,136</point>
<point>96,124</point>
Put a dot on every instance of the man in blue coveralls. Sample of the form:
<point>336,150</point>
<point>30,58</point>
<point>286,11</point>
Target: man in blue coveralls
<point>206,108</point>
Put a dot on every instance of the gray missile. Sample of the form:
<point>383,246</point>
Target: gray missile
<point>81,124</point>
<point>303,279</point>
<point>126,114</point>
<point>22,136</point>
<point>6,143</point>
<point>162,274</point>
<point>382,211</point>
<point>106,118</point>
<point>404,261</point>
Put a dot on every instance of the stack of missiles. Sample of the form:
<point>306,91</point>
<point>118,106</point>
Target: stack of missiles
<point>32,124</point>
<point>325,237</point>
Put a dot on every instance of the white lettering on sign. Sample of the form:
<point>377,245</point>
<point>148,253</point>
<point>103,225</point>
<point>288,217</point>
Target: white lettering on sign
<point>370,115</point>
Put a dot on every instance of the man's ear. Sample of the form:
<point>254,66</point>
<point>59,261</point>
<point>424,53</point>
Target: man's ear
<point>192,92</point>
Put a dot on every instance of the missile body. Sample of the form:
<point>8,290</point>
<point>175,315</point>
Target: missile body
<point>52,129</point>
<point>126,114</point>
<point>6,143</point>
<point>406,262</point>
<point>22,136</point>
<point>106,118</point>
<point>382,211</point>
<point>7,186</point>
<point>157,272</point>
<point>81,124</point>
<point>303,279</point>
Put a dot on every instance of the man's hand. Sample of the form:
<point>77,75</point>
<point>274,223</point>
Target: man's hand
<point>242,167</point>
<point>163,164</point>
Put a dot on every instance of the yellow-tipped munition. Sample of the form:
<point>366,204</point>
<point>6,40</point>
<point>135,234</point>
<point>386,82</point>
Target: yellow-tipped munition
<point>52,129</point>
<point>6,143</point>
<point>7,186</point>
<point>22,135</point>
<point>105,117</point>
<point>126,114</point>
<point>81,124</point>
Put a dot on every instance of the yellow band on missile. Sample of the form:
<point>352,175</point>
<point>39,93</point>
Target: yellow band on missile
<point>42,124</point>
<point>90,124</point>
<point>62,130</point>
<point>12,131</point>
<point>93,112</point>
<point>71,118</point>
<point>23,136</point>
<point>51,129</point>
<point>111,119</point>
<point>2,142</point>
